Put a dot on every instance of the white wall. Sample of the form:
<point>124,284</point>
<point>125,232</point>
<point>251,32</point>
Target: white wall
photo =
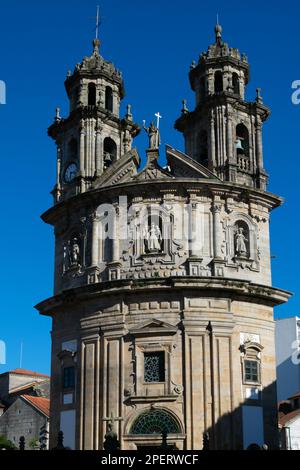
<point>292,434</point>
<point>288,373</point>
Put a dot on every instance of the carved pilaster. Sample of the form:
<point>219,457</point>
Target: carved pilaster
<point>212,142</point>
<point>82,154</point>
<point>218,261</point>
<point>99,162</point>
<point>216,210</point>
<point>95,241</point>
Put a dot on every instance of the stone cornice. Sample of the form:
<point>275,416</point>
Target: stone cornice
<point>185,285</point>
<point>224,98</point>
<point>85,112</point>
<point>183,186</point>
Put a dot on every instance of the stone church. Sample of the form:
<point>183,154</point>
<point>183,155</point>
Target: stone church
<point>163,302</point>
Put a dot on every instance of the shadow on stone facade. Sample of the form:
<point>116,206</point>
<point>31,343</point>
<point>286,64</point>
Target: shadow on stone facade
<point>241,429</point>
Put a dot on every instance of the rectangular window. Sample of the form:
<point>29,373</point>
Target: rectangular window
<point>69,377</point>
<point>251,371</point>
<point>154,366</point>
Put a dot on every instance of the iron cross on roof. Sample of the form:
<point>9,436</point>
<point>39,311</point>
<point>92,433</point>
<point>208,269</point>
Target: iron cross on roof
<point>98,21</point>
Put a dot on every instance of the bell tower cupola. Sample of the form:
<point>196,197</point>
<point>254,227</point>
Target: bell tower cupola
<point>224,132</point>
<point>94,135</point>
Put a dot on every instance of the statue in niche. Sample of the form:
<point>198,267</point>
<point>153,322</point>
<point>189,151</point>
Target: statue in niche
<point>74,252</point>
<point>240,242</point>
<point>153,238</point>
<point>153,134</point>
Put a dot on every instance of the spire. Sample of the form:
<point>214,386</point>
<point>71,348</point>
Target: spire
<point>218,32</point>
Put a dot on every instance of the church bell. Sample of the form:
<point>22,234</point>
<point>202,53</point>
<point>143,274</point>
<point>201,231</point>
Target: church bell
<point>238,145</point>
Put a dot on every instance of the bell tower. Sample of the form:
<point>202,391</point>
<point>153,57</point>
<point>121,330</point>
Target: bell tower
<point>93,136</point>
<point>224,132</point>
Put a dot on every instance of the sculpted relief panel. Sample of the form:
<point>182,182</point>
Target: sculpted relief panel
<point>159,240</point>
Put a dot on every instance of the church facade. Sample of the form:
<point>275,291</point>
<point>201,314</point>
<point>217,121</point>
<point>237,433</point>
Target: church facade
<point>163,303</point>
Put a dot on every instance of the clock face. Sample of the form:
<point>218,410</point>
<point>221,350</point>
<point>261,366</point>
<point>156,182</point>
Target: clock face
<point>70,172</point>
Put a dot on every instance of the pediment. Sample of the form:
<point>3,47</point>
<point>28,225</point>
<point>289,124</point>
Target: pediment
<point>153,170</point>
<point>120,171</point>
<point>181,165</point>
<point>153,327</point>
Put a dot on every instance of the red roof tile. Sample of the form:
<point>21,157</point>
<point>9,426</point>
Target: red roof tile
<point>27,372</point>
<point>296,395</point>
<point>40,403</point>
<point>285,418</point>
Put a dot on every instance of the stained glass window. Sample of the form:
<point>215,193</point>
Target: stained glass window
<point>155,422</point>
<point>154,366</point>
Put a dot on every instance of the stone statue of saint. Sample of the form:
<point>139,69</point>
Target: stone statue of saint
<point>240,242</point>
<point>153,134</point>
<point>154,238</point>
<point>74,252</point>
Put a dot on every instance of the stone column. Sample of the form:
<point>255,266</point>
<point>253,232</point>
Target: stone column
<point>116,103</point>
<point>82,148</point>
<point>82,154</point>
<point>259,147</point>
<point>95,240</point>
<point>99,162</point>
<point>115,234</point>
<point>58,165</point>
<point>229,137</point>
<point>192,235</point>
<point>115,265</point>
<point>216,210</point>
<point>57,193</point>
<point>212,142</point>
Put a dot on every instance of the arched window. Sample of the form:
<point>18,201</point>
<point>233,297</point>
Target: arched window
<point>155,422</point>
<point>72,149</point>
<point>203,147</point>
<point>218,82</point>
<point>110,151</point>
<point>241,239</point>
<point>108,99</point>
<point>235,83</point>
<point>242,140</point>
<point>92,94</point>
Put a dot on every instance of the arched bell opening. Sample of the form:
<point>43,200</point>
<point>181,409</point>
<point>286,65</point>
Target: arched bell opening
<point>218,82</point>
<point>92,94</point>
<point>109,99</point>
<point>109,151</point>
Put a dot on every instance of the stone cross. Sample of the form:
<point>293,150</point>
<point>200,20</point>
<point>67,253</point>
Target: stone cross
<point>111,419</point>
<point>158,116</point>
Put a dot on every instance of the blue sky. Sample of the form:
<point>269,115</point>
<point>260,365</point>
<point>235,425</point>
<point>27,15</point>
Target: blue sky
<point>153,43</point>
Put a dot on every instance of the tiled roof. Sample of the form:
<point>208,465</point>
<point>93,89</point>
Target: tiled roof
<point>285,418</point>
<point>26,372</point>
<point>296,395</point>
<point>40,403</point>
<point>23,387</point>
